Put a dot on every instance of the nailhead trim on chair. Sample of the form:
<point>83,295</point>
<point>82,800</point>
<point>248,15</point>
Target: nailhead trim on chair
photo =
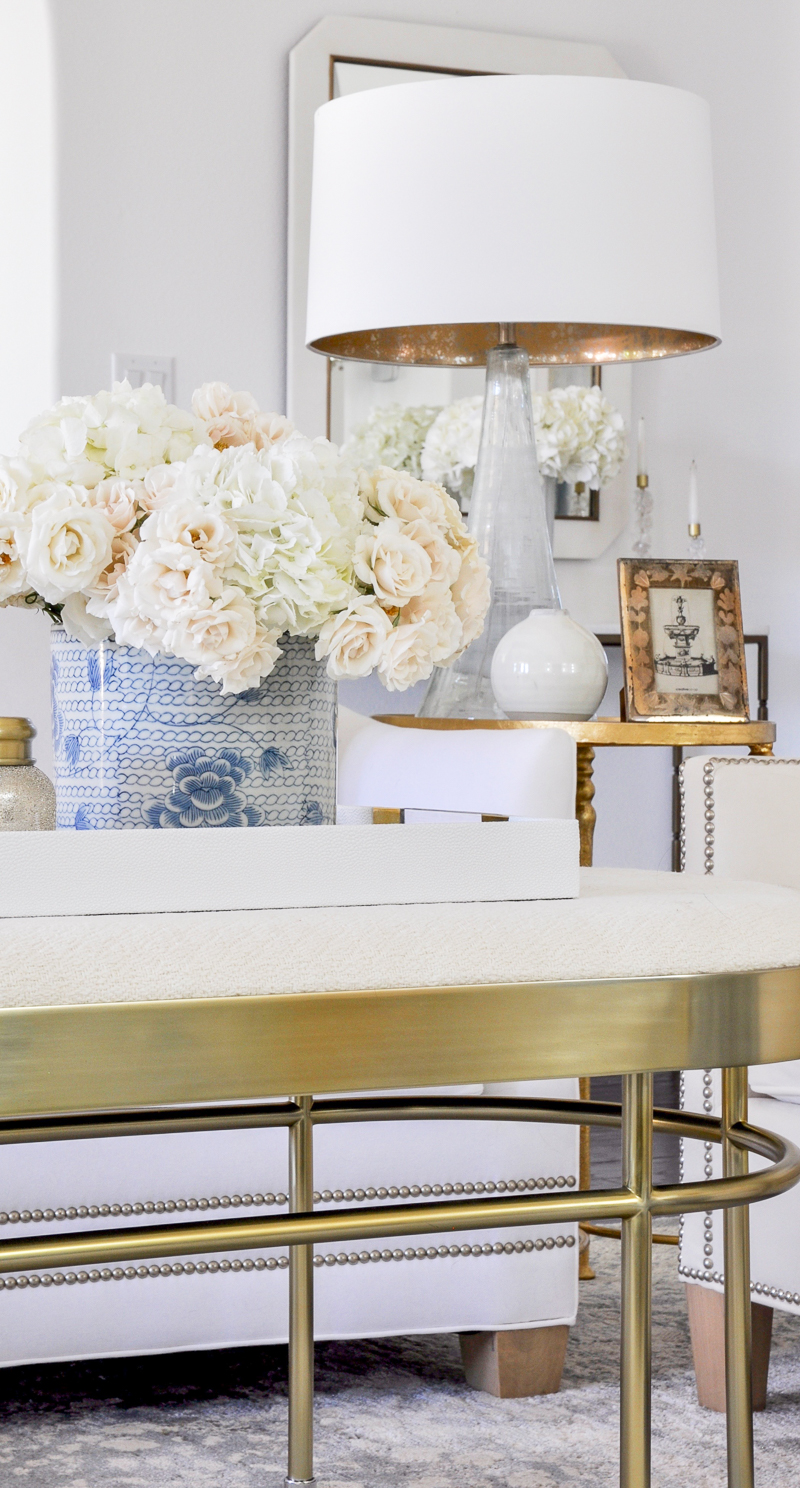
<point>344,1258</point>
<point>755,1286</point>
<point>708,1273</point>
<point>165,1206</point>
<point>245,1201</point>
<point>708,815</point>
<point>708,800</point>
<point>432,1253</point>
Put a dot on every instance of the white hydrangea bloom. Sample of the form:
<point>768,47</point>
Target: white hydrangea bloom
<point>580,436</point>
<point>450,451</point>
<point>125,432</point>
<point>393,435</point>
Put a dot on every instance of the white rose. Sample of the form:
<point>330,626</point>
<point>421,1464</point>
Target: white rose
<point>248,667</point>
<point>268,428</point>
<point>353,639</point>
<point>13,578</point>
<point>159,484</point>
<point>17,485</point>
<point>407,655</point>
<point>471,594</point>
<point>232,419</point>
<point>68,543</point>
<point>170,585</point>
<point>215,634</point>
<point>131,626</point>
<point>392,493</point>
<point>106,587</point>
<point>438,608</point>
<point>185,523</point>
<point>120,501</point>
<point>215,399</point>
<point>394,565</point>
<point>445,561</point>
<point>78,621</point>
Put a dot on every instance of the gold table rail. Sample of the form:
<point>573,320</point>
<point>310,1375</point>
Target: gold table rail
<point>206,1063</point>
<point>607,733</point>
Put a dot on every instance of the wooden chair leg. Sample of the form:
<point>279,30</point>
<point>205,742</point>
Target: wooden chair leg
<point>516,1361</point>
<point>707,1327</point>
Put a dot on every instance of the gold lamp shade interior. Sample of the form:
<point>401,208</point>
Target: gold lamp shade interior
<point>547,344</point>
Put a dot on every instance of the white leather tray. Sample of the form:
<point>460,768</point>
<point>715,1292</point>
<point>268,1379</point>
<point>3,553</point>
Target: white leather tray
<point>108,872</point>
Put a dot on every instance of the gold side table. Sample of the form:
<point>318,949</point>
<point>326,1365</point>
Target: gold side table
<point>605,733</point>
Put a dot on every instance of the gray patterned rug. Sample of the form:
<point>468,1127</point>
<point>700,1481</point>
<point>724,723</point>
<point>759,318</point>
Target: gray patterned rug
<point>394,1413</point>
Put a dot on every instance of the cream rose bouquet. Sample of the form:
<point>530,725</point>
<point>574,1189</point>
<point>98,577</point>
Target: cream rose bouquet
<point>207,536</point>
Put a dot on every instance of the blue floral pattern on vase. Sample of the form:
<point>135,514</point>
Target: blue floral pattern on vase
<point>140,743</point>
<point>204,793</point>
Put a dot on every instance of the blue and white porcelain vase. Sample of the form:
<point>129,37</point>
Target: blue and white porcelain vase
<point>139,742</point>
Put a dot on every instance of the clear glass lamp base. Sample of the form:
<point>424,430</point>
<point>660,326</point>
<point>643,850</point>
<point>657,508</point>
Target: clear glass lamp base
<point>509,520</point>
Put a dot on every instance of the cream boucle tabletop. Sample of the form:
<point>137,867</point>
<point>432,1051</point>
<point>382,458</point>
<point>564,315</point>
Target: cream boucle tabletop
<point>625,924</point>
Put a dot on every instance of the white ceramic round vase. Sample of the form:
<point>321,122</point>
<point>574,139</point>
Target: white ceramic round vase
<point>548,666</point>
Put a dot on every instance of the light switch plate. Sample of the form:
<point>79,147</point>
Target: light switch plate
<point>140,369</point>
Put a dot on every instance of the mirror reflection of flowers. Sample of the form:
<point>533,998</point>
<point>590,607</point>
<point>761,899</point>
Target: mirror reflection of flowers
<point>209,535</point>
<point>393,435</point>
<point>438,444</point>
<point>580,436</point>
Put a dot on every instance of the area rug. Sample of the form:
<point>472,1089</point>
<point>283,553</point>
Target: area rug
<point>393,1413</point>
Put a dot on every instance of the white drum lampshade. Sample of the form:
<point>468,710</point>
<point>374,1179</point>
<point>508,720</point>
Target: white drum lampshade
<point>570,218</point>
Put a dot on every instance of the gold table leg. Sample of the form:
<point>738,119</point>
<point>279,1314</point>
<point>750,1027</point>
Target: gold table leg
<point>738,1324</point>
<point>587,816</point>
<point>584,795</point>
<point>637,1170</point>
<point>301,1306</point>
<point>585,1271</point>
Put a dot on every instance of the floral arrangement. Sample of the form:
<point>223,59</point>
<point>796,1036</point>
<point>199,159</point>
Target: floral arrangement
<point>208,535</point>
<point>579,436</point>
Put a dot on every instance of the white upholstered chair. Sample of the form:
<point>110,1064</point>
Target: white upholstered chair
<point>741,819</point>
<point>512,1299</point>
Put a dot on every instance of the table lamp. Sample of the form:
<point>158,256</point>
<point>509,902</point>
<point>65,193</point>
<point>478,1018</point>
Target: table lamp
<point>503,221</point>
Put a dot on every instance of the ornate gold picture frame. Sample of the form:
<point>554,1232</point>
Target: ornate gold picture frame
<point>682,640</point>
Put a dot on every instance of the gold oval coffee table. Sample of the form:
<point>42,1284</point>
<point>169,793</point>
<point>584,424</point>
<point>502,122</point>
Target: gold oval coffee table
<point>643,972</point>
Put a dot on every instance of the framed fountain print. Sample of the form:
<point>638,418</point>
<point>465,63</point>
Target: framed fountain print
<point>682,640</point>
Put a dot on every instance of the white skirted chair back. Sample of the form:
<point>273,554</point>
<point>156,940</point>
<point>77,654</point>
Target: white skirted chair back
<point>490,1282</point>
<point>492,772</point>
<point>741,819</point>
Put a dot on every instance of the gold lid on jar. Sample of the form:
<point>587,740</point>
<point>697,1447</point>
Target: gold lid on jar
<point>15,741</point>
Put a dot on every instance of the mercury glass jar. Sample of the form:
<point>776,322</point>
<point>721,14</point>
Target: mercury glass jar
<point>27,797</point>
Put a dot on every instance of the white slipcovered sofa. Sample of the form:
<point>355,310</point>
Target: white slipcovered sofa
<point>490,1283</point>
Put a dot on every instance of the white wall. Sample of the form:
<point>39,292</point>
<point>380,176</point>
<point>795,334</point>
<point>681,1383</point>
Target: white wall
<point>172,138</point>
<point>28,329</point>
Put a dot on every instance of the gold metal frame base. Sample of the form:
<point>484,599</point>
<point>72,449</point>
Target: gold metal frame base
<point>634,1203</point>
